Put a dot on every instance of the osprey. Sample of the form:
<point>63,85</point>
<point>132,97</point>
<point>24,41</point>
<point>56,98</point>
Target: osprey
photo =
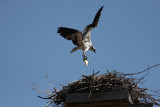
<point>82,40</point>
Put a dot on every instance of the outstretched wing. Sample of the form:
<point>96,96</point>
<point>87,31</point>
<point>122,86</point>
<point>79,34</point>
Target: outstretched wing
<point>71,34</point>
<point>88,29</point>
<point>96,18</point>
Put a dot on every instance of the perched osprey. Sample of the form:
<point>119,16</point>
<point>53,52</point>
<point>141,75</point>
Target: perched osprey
<point>82,40</point>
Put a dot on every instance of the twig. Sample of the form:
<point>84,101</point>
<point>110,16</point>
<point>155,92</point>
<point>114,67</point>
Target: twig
<point>143,70</point>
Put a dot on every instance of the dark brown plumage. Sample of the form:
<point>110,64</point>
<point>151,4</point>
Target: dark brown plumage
<point>96,19</point>
<point>71,34</point>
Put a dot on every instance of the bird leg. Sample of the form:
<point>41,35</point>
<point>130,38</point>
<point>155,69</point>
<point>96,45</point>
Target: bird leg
<point>85,57</point>
<point>84,51</point>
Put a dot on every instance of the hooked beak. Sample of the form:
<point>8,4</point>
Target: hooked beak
<point>93,49</point>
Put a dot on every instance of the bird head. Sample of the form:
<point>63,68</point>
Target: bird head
<point>93,49</point>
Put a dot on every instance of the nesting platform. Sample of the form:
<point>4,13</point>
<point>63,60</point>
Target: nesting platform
<point>112,89</point>
<point>102,99</point>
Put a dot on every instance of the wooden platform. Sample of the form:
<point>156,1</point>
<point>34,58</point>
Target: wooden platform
<point>100,96</point>
<point>102,99</point>
<point>106,105</point>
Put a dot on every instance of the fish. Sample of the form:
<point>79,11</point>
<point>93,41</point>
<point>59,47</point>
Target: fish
<point>85,60</point>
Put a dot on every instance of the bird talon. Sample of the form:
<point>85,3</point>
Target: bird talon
<point>85,57</point>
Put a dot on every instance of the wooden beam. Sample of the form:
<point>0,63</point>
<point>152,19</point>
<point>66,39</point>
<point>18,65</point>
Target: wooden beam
<point>101,105</point>
<point>100,96</point>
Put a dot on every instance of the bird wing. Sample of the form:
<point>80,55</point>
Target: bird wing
<point>71,34</point>
<point>88,29</point>
<point>96,18</point>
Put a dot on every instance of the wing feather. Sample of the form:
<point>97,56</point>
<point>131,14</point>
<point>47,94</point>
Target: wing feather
<point>71,34</point>
<point>96,18</point>
<point>88,29</point>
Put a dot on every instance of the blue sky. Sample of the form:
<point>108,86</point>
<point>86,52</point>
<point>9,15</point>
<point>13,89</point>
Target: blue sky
<point>127,39</point>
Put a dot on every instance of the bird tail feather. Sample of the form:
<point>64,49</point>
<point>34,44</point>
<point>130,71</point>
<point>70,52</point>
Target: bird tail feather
<point>75,49</point>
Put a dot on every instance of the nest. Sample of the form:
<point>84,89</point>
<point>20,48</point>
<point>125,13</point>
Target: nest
<point>110,81</point>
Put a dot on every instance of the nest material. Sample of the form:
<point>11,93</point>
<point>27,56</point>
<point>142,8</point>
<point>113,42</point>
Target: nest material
<point>110,81</point>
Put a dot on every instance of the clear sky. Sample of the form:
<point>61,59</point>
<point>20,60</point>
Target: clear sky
<point>127,39</point>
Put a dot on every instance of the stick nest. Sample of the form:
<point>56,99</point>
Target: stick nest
<point>110,81</point>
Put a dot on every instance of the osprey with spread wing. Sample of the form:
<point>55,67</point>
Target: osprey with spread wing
<point>82,40</point>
